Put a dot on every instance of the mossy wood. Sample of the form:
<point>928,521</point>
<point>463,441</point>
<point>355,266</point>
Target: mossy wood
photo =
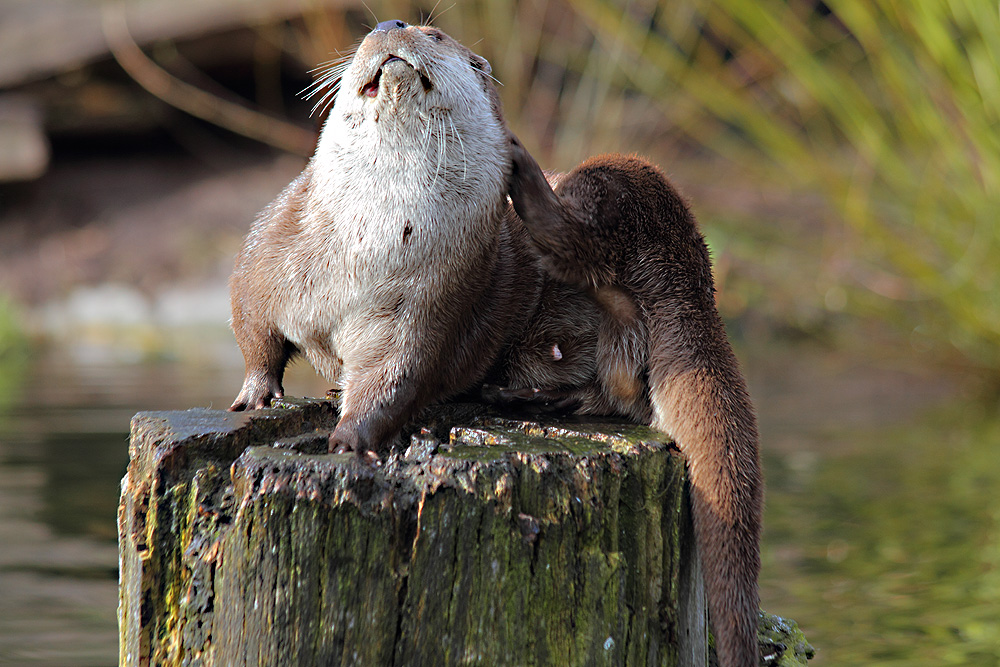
<point>488,541</point>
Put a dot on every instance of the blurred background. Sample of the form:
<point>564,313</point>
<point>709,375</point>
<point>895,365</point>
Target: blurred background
<point>843,159</point>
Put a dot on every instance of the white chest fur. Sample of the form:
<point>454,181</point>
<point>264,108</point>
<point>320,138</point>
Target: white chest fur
<point>394,221</point>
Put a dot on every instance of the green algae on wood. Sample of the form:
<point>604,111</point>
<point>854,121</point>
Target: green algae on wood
<point>782,642</point>
<point>487,540</point>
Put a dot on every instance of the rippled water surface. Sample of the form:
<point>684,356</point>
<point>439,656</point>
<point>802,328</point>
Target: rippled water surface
<point>883,518</point>
<point>887,547</point>
<point>64,422</point>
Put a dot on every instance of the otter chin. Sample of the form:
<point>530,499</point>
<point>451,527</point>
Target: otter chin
<point>397,265</point>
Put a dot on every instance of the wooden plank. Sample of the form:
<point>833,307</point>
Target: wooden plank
<point>41,38</point>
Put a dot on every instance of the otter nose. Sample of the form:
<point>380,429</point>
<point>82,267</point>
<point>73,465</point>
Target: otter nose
<point>386,26</point>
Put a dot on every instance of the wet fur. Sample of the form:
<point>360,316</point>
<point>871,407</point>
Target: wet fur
<point>396,265</point>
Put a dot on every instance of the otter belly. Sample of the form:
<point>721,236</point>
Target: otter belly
<point>380,287</point>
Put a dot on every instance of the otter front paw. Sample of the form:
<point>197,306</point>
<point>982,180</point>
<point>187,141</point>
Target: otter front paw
<point>534,201</point>
<point>526,177</point>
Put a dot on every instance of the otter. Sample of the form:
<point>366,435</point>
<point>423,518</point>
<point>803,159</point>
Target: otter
<point>389,262</point>
<point>422,253</point>
<point>616,227</point>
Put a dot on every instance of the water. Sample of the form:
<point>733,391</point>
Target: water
<point>882,530</point>
<point>64,421</point>
<point>888,550</point>
<point>882,534</point>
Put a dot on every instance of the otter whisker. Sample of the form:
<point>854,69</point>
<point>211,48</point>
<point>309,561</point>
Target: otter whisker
<point>341,59</point>
<point>426,143</point>
<point>461,144</point>
<point>442,167</point>
<point>328,71</point>
<point>490,76</point>
<point>428,133</point>
<point>427,20</point>
<point>431,18</point>
<point>440,150</point>
<point>327,83</point>
<point>324,103</point>
<point>374,18</point>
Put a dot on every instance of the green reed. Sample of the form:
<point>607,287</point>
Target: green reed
<point>890,108</point>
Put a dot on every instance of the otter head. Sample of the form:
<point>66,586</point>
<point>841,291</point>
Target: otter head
<point>402,72</point>
<point>415,89</point>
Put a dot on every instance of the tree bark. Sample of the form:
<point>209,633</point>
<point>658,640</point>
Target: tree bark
<point>487,541</point>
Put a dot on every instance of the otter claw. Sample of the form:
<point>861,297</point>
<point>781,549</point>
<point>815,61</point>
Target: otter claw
<point>339,446</point>
<point>257,392</point>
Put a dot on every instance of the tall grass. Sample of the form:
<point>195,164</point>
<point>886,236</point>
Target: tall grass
<point>890,108</point>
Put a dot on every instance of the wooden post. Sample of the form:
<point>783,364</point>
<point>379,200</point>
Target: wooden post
<point>487,541</point>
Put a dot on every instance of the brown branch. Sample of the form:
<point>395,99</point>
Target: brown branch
<point>231,116</point>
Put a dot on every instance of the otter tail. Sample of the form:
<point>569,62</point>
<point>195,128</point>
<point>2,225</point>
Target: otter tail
<point>700,399</point>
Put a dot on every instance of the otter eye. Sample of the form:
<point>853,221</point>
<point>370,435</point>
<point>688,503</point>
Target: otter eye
<point>436,34</point>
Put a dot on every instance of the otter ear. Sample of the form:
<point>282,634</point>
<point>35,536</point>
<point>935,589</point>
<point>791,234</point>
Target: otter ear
<point>481,64</point>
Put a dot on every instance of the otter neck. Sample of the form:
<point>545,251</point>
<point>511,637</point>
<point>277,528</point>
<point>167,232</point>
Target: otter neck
<point>422,152</point>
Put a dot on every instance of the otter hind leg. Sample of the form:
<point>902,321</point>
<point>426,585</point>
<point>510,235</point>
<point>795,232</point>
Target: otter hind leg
<point>622,354</point>
<point>265,355</point>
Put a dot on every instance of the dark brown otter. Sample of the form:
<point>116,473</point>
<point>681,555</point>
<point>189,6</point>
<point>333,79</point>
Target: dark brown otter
<point>397,266</point>
<point>615,226</point>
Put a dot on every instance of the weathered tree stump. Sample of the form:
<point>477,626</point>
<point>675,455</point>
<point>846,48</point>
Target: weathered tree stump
<point>489,541</point>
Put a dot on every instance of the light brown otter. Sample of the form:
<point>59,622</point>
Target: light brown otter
<point>397,266</point>
<point>390,262</point>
